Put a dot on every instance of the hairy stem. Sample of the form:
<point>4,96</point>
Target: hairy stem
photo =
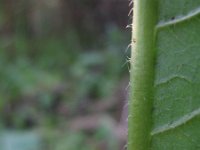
<point>142,74</point>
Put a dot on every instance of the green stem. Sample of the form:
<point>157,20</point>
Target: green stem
<point>142,74</point>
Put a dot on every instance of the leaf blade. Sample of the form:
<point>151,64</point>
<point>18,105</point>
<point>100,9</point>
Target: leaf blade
<point>176,116</point>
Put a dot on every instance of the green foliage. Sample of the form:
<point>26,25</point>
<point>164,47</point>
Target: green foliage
<point>173,116</point>
<point>71,142</point>
<point>39,76</point>
<point>56,64</point>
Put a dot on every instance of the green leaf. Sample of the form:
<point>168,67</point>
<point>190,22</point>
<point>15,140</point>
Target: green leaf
<point>164,110</point>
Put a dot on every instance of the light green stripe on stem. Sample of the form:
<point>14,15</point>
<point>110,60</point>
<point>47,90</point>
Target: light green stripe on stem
<point>142,74</point>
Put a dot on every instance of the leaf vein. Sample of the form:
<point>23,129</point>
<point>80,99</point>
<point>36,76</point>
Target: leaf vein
<point>179,19</point>
<point>170,78</point>
<point>181,121</point>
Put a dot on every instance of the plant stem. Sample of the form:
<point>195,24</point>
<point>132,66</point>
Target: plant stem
<point>142,74</point>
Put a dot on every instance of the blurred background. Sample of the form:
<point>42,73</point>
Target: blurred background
<point>63,74</point>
